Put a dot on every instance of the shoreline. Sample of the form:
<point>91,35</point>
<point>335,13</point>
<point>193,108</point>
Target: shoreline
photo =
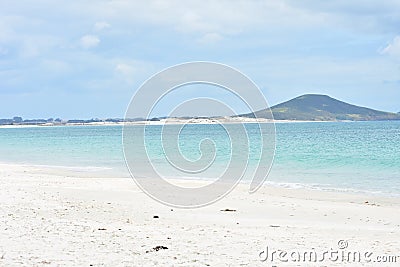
<point>60,171</point>
<point>102,172</point>
<point>169,122</point>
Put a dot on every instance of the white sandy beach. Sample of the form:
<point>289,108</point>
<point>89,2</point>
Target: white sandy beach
<point>50,218</point>
<point>169,121</point>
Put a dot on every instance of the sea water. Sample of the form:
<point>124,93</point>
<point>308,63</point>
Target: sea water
<point>344,156</point>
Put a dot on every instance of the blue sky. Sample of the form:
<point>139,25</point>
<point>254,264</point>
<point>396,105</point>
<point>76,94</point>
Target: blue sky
<point>84,59</point>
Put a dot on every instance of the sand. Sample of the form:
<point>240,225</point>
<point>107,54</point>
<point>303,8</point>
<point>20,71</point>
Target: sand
<point>57,218</point>
<point>169,121</point>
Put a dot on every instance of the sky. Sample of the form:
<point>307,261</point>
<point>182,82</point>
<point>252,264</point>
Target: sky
<point>86,59</point>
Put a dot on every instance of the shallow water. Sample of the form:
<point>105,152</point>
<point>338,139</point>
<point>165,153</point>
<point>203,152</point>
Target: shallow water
<point>349,156</point>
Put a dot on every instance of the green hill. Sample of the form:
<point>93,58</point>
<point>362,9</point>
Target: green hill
<point>323,108</point>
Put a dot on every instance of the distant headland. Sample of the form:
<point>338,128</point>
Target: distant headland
<point>312,107</point>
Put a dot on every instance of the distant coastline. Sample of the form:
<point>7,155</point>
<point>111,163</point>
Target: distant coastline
<point>178,121</point>
<point>305,108</point>
<point>167,121</point>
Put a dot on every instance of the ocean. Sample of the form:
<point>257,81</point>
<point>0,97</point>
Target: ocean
<point>361,157</point>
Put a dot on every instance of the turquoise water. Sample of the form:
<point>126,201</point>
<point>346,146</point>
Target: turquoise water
<point>352,156</point>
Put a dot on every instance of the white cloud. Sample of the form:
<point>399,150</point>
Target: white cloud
<point>101,25</point>
<point>131,71</point>
<point>210,38</point>
<point>221,17</point>
<point>89,41</point>
<point>124,69</point>
<point>357,15</point>
<point>24,35</point>
<point>393,48</point>
<point>32,46</point>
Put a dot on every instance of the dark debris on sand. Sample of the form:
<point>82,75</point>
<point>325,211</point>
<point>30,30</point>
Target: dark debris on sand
<point>157,248</point>
<point>228,210</point>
